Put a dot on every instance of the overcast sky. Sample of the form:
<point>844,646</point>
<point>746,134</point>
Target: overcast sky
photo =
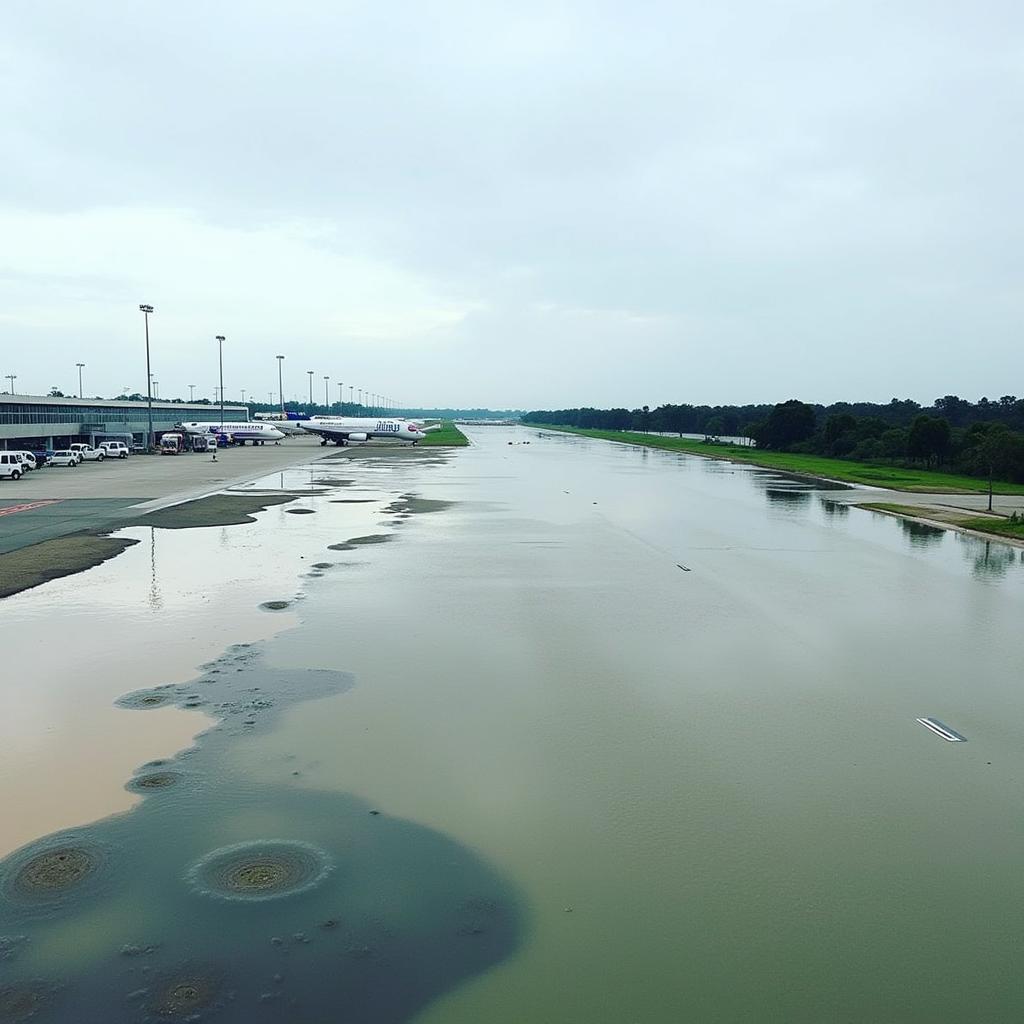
<point>516,205</point>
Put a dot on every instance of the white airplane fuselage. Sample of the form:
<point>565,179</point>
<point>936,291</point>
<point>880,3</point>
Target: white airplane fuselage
<point>342,429</point>
<point>240,431</point>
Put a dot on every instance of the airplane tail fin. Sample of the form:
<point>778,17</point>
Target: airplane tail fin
<point>297,415</point>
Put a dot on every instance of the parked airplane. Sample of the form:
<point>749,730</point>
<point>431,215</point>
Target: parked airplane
<point>241,432</point>
<point>342,429</point>
<point>286,425</point>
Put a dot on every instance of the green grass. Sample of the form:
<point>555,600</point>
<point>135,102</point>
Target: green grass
<point>875,475</point>
<point>449,435</point>
<point>1000,527</point>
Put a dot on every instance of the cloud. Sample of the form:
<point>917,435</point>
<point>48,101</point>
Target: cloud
<point>827,191</point>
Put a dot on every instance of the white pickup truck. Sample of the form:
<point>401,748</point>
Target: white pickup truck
<point>114,449</point>
<point>87,453</point>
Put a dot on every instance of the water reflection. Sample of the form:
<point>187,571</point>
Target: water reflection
<point>156,601</point>
<point>921,535</point>
<point>788,501</point>
<point>989,560</point>
<point>834,509</point>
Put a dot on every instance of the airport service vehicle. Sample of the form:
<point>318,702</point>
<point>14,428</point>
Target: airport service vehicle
<point>64,457</point>
<point>10,467</point>
<point>172,444</point>
<point>204,443</point>
<point>258,433</point>
<point>87,453</point>
<point>342,429</point>
<point>42,458</point>
<point>114,449</point>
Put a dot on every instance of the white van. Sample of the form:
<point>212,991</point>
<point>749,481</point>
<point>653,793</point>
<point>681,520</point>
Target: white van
<point>10,466</point>
<point>27,459</point>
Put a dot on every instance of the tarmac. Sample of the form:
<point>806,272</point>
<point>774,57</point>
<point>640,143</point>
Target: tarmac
<point>59,500</point>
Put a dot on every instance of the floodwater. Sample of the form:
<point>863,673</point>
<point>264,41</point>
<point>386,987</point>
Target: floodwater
<point>575,731</point>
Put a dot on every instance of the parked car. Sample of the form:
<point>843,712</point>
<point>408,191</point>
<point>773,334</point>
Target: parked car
<point>114,449</point>
<point>42,459</point>
<point>27,459</point>
<point>64,457</point>
<point>139,448</point>
<point>87,453</point>
<point>10,466</point>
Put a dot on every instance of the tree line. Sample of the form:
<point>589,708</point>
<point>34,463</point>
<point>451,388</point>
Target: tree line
<point>982,438</point>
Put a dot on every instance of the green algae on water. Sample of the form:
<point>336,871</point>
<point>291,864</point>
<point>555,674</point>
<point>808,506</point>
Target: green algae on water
<point>264,869</point>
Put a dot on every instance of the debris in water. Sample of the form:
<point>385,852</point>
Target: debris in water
<point>942,730</point>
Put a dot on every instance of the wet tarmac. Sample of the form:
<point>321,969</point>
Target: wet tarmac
<point>513,764</point>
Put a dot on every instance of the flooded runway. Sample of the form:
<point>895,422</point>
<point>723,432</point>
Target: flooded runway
<point>491,755</point>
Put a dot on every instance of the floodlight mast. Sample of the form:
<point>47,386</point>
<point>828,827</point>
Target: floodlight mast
<point>220,357</point>
<point>150,439</point>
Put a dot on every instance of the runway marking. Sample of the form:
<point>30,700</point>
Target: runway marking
<point>7,510</point>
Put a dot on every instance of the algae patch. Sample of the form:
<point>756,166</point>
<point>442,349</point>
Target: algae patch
<point>260,870</point>
<point>48,873</point>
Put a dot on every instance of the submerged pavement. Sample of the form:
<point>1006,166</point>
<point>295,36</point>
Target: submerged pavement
<point>660,714</point>
<point>58,500</point>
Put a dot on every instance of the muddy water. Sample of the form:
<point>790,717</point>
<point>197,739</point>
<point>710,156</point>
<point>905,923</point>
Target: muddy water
<point>615,736</point>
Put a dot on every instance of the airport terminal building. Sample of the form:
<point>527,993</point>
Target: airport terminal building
<point>33,422</point>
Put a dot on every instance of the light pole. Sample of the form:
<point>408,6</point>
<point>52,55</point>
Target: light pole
<point>156,389</point>
<point>310,372</point>
<point>191,392</point>
<point>327,397</point>
<point>12,377</point>
<point>220,360</point>
<point>280,388</point>
<point>146,310</point>
<point>360,390</point>
<point>243,396</point>
<point>341,400</point>
<point>79,365</point>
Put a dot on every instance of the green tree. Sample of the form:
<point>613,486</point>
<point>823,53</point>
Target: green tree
<point>787,424</point>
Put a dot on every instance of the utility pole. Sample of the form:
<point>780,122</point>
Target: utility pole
<point>280,386</point>
<point>79,365</point>
<point>220,358</point>
<point>150,439</point>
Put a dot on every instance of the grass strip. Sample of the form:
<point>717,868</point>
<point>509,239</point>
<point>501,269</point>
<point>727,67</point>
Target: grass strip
<point>448,436</point>
<point>897,478</point>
